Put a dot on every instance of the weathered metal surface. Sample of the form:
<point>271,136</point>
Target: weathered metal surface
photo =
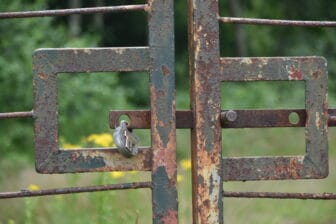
<point>23,114</point>
<point>66,12</point>
<point>312,70</point>
<point>158,59</point>
<point>280,195</point>
<point>272,69</point>
<point>47,63</point>
<point>140,119</point>
<point>276,22</point>
<point>93,160</point>
<point>206,149</point>
<point>162,117</point>
<point>73,190</point>
<point>265,119</point>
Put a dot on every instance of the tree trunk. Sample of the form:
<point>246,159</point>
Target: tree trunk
<point>75,20</point>
<point>235,9</point>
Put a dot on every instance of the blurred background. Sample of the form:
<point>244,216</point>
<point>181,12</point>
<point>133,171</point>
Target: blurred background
<point>85,100</point>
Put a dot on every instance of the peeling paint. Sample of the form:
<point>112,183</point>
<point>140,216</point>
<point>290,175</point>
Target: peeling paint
<point>247,61</point>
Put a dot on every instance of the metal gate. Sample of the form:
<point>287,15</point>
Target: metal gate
<point>205,118</point>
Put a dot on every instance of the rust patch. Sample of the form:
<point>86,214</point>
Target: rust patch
<point>317,74</point>
<point>165,70</point>
<point>294,73</point>
<point>166,158</point>
<point>317,120</point>
<point>42,76</point>
<point>170,217</point>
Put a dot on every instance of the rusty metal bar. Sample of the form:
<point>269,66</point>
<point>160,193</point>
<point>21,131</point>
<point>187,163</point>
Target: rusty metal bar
<point>74,60</point>
<point>280,195</point>
<point>276,22</point>
<point>94,160</point>
<point>162,116</point>
<point>140,119</point>
<point>66,12</point>
<point>73,190</point>
<point>270,68</point>
<point>23,114</point>
<point>206,150</point>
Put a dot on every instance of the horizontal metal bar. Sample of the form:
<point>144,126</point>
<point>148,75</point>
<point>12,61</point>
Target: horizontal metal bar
<point>72,190</point>
<point>73,60</point>
<point>265,119</point>
<point>279,195</point>
<point>23,114</point>
<point>94,160</point>
<point>140,119</point>
<point>66,12</point>
<point>269,68</point>
<point>276,22</point>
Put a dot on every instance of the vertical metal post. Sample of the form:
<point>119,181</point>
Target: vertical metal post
<point>163,124</point>
<point>205,104</point>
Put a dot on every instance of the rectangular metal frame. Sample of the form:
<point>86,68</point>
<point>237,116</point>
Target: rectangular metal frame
<point>312,70</point>
<point>158,60</point>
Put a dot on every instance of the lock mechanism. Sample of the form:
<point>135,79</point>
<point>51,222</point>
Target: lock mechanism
<point>125,140</point>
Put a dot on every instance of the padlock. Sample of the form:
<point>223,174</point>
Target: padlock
<point>125,140</point>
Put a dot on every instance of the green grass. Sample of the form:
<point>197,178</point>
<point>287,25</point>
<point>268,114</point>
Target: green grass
<point>134,206</point>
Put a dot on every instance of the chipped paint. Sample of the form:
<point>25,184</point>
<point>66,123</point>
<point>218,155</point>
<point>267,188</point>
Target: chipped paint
<point>317,120</point>
<point>294,73</point>
<point>247,61</point>
<point>87,51</point>
<point>206,133</point>
<point>120,50</point>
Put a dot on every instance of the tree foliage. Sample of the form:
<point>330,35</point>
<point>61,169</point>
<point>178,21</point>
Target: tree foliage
<point>85,99</point>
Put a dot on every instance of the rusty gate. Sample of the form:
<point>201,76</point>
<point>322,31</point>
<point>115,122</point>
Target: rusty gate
<point>205,117</point>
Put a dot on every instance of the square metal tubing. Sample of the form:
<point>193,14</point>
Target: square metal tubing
<point>312,70</point>
<point>47,63</point>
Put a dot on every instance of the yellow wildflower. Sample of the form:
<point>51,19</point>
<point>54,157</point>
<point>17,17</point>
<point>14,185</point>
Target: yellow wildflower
<point>117,174</point>
<point>33,187</point>
<point>70,146</point>
<point>179,178</point>
<point>11,221</point>
<point>103,140</point>
<point>185,164</point>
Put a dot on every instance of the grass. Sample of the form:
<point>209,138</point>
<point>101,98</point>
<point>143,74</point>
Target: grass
<point>134,206</point>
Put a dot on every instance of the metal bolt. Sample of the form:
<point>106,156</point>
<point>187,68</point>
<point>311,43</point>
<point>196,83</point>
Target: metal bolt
<point>229,115</point>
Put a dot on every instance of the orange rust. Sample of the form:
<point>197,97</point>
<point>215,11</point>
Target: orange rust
<point>295,167</point>
<point>42,76</point>
<point>164,158</point>
<point>165,70</point>
<point>317,74</point>
<point>170,217</point>
<point>294,73</point>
